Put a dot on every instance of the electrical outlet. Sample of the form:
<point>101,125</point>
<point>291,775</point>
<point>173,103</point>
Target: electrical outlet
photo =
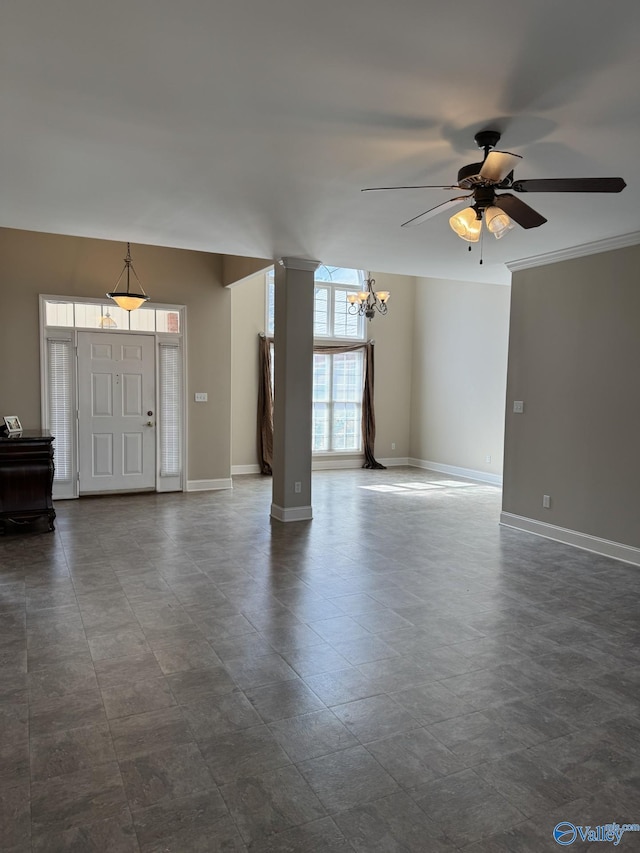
<point>518,406</point>
<point>487,458</point>
<point>297,488</point>
<point>546,501</point>
<point>393,445</point>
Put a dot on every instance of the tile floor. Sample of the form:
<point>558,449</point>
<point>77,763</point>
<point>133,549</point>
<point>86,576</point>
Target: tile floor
<point>401,674</point>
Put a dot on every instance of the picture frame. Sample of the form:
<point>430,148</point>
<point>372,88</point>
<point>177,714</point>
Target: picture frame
<point>12,423</point>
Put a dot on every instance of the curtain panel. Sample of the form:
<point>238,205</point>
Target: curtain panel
<point>265,401</point>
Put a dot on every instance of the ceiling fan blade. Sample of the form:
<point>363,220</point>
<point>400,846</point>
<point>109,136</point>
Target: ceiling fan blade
<point>420,187</point>
<point>498,165</point>
<point>520,212</point>
<point>570,185</point>
<point>433,211</point>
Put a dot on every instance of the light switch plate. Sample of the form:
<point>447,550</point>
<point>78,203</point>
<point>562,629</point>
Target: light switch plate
<point>518,406</point>
<point>201,397</point>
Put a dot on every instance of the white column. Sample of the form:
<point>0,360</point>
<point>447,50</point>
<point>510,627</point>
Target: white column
<point>293,389</point>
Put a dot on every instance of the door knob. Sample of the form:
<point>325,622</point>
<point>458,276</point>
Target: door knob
<point>149,423</point>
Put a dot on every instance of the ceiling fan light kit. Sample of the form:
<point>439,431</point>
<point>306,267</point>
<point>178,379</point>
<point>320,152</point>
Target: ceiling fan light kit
<point>500,211</point>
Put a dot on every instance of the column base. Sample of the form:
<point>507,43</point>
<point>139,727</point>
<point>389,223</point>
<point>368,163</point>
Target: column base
<point>292,513</point>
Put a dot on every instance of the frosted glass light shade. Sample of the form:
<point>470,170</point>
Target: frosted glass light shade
<point>128,301</point>
<point>497,222</point>
<point>466,225</point>
<point>383,295</point>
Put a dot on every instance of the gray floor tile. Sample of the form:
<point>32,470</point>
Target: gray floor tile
<point>414,758</point>
<point>287,699</point>
<point>319,836</point>
<point>140,734</point>
<point>186,655</point>
<point>217,715</point>
<point>128,670</point>
<point>227,602</point>
<point>69,751</point>
<point>474,738</point>
<point>122,700</point>
<point>66,712</point>
<point>532,785</point>
<point>195,684</point>
<point>375,717</point>
<point>15,822</point>
<point>465,808</point>
<point>79,798</point>
<point>393,824</point>
<point>255,671</point>
<point>347,778</point>
<point>113,835</point>
<point>271,803</point>
<point>431,703</point>
<point>312,735</point>
<point>165,774</point>
<point>235,755</point>
<point>194,823</point>
<point>344,685</point>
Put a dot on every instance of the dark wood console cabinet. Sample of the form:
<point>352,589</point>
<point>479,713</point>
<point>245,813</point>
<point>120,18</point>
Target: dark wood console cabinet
<point>26,477</point>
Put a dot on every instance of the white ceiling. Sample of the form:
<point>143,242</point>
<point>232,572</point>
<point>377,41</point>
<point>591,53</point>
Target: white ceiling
<point>249,127</point>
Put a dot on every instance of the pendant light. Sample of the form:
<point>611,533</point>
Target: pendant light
<point>126,299</point>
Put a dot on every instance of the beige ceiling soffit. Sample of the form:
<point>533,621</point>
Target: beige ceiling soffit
<point>236,268</point>
<point>595,248</point>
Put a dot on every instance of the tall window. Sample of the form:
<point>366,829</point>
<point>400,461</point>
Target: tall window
<point>337,402</point>
<point>337,377</point>
<point>330,316</point>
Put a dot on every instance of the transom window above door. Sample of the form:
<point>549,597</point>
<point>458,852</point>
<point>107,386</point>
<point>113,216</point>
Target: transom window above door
<point>93,315</point>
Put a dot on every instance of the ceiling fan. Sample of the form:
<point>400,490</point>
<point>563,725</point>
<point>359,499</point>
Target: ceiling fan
<point>499,210</point>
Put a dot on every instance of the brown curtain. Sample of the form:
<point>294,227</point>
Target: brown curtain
<point>265,402</point>
<point>265,406</point>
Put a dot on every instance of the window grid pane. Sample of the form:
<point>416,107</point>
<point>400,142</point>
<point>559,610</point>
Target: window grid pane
<point>321,378</point>
<point>345,325</point>
<point>321,312</point>
<point>60,414</point>
<point>170,403</point>
<point>346,426</point>
<point>321,428</point>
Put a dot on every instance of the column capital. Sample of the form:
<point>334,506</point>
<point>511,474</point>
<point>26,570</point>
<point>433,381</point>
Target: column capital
<point>305,264</point>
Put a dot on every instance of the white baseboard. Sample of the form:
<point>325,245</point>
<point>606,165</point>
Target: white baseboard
<point>467,473</point>
<point>572,537</point>
<point>332,464</point>
<point>244,469</point>
<point>335,463</point>
<point>394,462</point>
<point>208,485</point>
<point>294,513</point>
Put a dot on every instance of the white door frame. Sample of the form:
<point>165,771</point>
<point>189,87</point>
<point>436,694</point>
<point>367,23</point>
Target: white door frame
<point>69,333</point>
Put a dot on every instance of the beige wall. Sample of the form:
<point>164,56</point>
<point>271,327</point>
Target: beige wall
<point>247,322</point>
<point>574,359</point>
<point>34,263</point>
<point>393,337</point>
<point>459,373</point>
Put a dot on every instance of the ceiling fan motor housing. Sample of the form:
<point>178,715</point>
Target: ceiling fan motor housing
<point>469,176</point>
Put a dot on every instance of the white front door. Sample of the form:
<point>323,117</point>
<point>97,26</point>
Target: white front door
<point>116,412</point>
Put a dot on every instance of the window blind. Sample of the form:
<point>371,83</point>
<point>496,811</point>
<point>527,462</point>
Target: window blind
<point>60,398</point>
<point>170,409</point>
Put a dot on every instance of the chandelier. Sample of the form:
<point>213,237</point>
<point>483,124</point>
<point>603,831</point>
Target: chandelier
<point>367,302</point>
<point>125,299</point>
